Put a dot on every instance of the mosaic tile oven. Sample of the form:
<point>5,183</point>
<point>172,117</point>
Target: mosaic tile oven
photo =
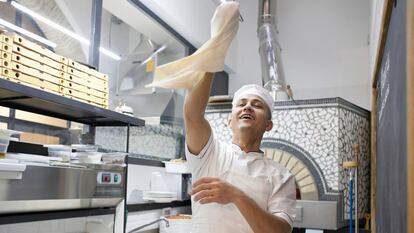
<point>312,138</point>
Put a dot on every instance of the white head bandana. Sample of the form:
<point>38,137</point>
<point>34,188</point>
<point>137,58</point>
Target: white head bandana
<point>253,89</point>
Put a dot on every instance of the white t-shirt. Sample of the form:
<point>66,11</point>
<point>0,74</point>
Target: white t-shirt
<point>265,181</point>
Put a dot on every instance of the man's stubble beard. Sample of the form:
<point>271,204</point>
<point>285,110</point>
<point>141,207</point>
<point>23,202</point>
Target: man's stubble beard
<point>245,129</point>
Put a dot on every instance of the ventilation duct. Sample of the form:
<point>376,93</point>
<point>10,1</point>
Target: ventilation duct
<point>273,77</point>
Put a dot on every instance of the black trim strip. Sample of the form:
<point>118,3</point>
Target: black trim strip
<point>156,206</point>
<point>145,162</point>
<point>51,215</point>
<point>27,148</point>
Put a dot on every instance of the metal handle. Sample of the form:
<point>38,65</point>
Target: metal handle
<point>167,224</point>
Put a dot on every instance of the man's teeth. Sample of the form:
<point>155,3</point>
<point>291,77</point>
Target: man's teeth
<point>246,117</point>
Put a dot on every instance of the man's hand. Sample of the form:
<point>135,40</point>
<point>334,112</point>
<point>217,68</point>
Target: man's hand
<point>210,189</point>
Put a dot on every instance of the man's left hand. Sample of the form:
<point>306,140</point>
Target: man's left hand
<point>211,189</point>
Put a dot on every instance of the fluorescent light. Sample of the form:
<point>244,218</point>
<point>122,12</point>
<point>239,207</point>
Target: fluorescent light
<point>109,53</point>
<point>156,51</point>
<point>152,55</point>
<point>27,33</point>
<point>50,23</point>
<point>62,29</point>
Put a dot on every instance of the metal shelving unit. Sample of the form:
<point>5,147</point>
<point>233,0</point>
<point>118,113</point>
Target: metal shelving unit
<point>17,96</point>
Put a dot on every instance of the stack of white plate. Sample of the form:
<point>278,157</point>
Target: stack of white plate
<point>159,197</point>
<point>177,224</point>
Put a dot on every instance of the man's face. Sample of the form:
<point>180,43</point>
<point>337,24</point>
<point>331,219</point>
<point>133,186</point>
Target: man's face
<point>250,114</point>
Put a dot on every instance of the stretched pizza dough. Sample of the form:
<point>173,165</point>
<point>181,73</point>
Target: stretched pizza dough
<point>188,71</point>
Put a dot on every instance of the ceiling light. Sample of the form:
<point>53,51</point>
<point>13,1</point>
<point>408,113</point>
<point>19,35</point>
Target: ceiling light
<point>62,29</point>
<point>109,53</point>
<point>27,33</point>
<point>50,22</point>
<point>153,54</point>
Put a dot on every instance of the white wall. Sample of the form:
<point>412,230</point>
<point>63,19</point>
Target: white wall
<point>247,49</point>
<point>377,12</point>
<point>324,48</point>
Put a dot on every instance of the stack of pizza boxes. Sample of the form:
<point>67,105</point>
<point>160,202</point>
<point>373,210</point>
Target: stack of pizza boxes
<point>30,64</point>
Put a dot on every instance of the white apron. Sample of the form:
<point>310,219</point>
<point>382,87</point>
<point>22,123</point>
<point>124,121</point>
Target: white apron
<point>218,218</point>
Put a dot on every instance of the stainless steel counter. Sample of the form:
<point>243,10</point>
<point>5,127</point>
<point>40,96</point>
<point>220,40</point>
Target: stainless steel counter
<point>45,187</point>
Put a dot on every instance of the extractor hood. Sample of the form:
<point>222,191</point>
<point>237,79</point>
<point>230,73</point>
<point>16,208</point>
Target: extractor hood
<point>157,108</point>
<point>154,105</point>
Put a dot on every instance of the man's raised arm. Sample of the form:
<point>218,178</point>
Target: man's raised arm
<point>197,128</point>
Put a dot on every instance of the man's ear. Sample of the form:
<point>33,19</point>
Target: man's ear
<point>269,125</point>
<point>229,122</point>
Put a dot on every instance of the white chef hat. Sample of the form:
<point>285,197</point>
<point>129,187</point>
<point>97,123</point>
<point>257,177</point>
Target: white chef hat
<point>253,89</point>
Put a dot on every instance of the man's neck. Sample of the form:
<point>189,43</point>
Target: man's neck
<point>248,144</point>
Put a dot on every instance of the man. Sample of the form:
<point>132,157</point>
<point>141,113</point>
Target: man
<point>236,188</point>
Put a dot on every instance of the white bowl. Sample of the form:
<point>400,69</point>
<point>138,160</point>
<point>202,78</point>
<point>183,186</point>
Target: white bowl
<point>114,158</point>
<point>89,157</point>
<point>3,148</point>
<point>6,133</point>
<point>60,151</point>
<point>4,141</point>
<point>58,147</point>
<point>65,155</point>
<point>5,137</point>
